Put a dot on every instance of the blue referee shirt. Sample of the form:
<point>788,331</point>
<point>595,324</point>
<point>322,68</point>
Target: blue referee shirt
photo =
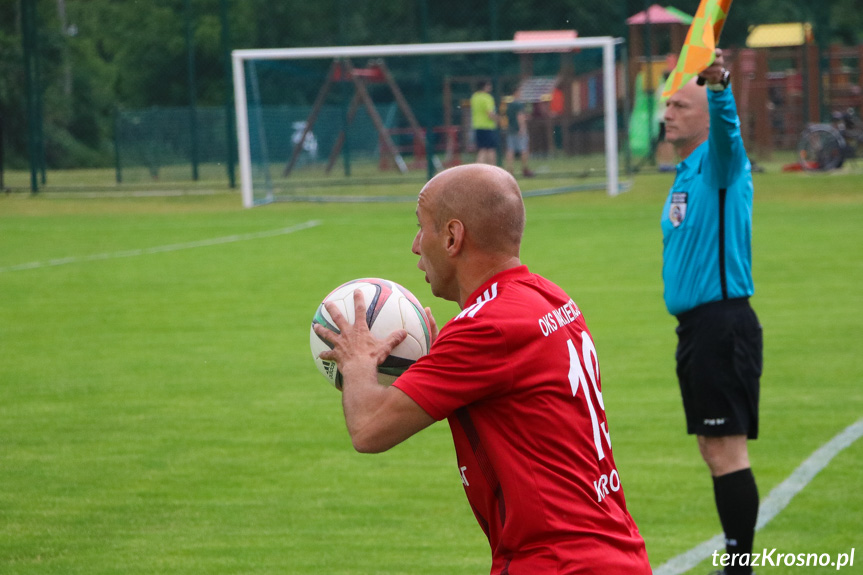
<point>707,218</point>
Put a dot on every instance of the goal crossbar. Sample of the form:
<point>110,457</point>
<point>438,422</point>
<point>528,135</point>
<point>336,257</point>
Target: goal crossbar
<point>606,43</point>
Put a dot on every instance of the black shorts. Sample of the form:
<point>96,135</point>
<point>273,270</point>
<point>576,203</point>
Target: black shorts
<point>486,139</point>
<point>719,362</point>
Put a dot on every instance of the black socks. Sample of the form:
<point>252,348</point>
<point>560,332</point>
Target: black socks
<point>737,502</point>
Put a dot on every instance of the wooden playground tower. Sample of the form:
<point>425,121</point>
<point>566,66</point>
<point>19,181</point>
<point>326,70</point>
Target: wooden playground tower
<point>375,72</point>
<point>653,33</point>
<point>787,81</point>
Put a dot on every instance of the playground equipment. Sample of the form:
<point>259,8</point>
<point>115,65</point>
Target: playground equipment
<point>564,104</point>
<point>563,101</point>
<point>656,36</point>
<point>791,82</point>
<point>646,116</point>
<point>782,80</point>
<point>376,72</point>
<point>782,94</point>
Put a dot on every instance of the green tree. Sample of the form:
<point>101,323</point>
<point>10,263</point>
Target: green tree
<point>98,55</point>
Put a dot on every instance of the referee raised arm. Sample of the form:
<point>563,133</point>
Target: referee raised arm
<point>707,273</point>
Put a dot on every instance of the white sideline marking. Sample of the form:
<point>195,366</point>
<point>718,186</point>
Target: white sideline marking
<point>162,249</point>
<point>778,499</point>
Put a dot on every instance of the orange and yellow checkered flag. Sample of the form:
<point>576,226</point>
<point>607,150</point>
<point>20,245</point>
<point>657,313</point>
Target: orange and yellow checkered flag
<point>699,49</point>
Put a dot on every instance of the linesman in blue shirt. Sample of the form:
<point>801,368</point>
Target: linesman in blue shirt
<point>707,272</point>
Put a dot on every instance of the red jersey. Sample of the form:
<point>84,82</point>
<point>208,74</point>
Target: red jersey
<point>516,375</point>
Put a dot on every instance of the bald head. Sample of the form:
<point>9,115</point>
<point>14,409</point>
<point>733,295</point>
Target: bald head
<point>695,93</point>
<point>486,199</point>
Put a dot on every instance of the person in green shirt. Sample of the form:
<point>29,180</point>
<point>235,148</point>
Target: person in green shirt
<point>484,124</point>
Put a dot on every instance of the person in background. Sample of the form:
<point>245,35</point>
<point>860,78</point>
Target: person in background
<point>484,124</point>
<point>517,137</point>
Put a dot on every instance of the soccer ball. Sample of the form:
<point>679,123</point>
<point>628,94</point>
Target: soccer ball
<point>389,307</point>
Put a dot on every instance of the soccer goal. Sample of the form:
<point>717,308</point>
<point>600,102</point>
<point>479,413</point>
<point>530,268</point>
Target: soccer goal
<point>371,123</point>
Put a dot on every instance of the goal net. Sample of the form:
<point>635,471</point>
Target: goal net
<point>372,123</point>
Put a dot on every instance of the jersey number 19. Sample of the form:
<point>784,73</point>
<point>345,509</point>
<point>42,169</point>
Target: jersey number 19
<point>578,380</point>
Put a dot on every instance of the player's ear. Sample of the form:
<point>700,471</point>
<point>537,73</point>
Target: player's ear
<point>454,236</point>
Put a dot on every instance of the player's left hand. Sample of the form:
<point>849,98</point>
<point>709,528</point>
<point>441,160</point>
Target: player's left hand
<point>713,73</point>
<point>354,343</point>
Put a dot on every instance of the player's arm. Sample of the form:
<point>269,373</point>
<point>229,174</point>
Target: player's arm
<point>377,417</point>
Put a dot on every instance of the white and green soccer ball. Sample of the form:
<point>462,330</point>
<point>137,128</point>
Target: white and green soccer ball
<point>389,307</point>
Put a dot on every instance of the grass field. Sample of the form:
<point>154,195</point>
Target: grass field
<point>160,412</point>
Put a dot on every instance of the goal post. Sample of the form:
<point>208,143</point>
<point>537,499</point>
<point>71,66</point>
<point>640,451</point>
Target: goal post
<point>253,119</point>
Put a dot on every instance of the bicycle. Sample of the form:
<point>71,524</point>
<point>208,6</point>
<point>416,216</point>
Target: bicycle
<point>825,147</point>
